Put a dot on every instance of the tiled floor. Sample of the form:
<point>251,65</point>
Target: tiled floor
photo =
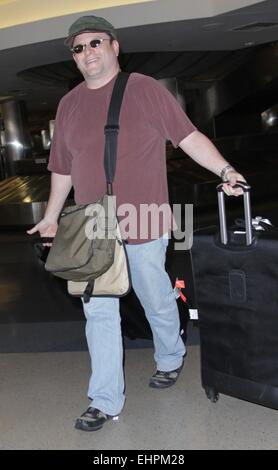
<point>42,393</point>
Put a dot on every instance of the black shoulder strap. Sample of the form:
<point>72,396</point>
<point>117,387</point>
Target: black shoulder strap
<point>112,128</point>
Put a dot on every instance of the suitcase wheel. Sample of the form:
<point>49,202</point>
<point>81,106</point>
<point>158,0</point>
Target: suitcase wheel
<point>212,394</point>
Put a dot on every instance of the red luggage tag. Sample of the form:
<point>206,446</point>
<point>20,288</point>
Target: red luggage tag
<point>179,285</point>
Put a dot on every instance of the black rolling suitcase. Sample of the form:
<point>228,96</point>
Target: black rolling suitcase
<point>236,282</point>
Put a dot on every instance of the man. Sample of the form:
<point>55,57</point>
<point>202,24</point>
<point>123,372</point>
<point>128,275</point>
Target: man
<point>149,116</point>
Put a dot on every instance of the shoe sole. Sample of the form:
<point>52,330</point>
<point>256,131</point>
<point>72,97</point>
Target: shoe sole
<point>153,385</point>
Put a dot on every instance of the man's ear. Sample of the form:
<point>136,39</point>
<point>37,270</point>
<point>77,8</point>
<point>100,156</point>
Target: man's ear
<point>116,47</point>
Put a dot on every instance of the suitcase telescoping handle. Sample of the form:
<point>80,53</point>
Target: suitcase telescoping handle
<point>247,212</point>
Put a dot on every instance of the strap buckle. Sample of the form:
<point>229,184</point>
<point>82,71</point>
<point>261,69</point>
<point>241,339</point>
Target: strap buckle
<point>111,128</point>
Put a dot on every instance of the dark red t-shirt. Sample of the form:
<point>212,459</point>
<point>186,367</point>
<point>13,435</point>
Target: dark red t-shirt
<point>150,115</point>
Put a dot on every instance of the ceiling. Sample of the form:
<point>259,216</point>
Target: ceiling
<point>239,29</point>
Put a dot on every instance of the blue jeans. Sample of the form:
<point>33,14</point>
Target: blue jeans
<point>152,286</point>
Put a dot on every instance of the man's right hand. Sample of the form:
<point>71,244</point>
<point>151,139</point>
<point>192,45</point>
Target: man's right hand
<point>45,228</point>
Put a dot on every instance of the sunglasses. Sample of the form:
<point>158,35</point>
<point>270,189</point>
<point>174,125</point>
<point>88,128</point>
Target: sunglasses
<point>94,44</point>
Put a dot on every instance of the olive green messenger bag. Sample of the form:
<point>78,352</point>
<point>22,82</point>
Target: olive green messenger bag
<point>88,250</point>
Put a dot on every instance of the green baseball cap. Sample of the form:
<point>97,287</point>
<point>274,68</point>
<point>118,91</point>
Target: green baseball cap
<point>87,24</point>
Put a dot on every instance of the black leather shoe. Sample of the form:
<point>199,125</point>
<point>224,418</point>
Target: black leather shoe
<point>162,379</point>
<point>92,420</point>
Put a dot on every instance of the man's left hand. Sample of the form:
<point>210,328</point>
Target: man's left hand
<point>231,179</point>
